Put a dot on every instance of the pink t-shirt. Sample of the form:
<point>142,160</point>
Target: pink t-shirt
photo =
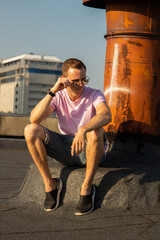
<point>74,114</point>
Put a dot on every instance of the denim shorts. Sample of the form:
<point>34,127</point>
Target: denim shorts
<point>58,146</point>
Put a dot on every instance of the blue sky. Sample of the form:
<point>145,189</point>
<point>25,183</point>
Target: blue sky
<point>55,27</point>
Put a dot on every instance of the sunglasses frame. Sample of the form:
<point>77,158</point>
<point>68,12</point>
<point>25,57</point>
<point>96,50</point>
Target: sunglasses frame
<point>77,83</point>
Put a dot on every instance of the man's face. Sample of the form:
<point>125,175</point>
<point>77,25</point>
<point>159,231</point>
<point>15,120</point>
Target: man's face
<point>75,74</point>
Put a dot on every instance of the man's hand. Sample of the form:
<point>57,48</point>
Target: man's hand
<point>78,143</point>
<point>61,83</point>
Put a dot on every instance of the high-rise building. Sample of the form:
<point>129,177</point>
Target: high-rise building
<point>24,81</point>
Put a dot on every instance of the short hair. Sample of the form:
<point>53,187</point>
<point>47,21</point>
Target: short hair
<point>73,63</point>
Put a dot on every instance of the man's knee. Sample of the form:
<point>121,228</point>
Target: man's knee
<point>95,135</point>
<point>32,131</point>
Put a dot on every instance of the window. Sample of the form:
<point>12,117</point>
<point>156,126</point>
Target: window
<point>43,71</point>
<point>9,73</point>
<point>11,63</point>
<point>7,80</point>
<point>59,65</point>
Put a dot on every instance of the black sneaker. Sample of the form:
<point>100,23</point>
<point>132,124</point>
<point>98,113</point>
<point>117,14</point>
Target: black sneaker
<point>86,203</point>
<point>52,200</point>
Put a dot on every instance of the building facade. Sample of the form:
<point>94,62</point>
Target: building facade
<point>24,81</point>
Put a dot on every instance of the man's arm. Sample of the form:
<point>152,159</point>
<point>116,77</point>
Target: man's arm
<point>102,118</point>
<point>43,109</point>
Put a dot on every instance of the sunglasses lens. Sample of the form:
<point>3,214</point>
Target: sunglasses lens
<point>85,81</point>
<point>77,83</point>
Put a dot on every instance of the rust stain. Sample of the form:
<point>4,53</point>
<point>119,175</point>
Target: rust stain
<point>126,70</point>
<point>138,44</point>
<point>124,51</point>
<point>128,23</point>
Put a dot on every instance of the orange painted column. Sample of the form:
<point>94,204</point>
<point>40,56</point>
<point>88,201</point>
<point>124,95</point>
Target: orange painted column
<point>132,68</point>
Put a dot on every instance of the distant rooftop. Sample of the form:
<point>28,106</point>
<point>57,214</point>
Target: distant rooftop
<point>32,57</point>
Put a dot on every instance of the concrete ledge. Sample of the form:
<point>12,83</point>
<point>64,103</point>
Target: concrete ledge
<point>120,184</point>
<point>14,125</point>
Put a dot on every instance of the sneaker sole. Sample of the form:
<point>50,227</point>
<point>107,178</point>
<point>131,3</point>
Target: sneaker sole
<point>58,196</point>
<point>93,200</point>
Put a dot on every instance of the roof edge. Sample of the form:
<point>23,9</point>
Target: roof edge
<point>31,57</point>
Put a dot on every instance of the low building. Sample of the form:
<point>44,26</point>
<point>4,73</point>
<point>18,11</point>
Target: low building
<point>24,81</point>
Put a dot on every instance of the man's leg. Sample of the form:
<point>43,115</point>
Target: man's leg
<point>34,135</point>
<point>94,154</point>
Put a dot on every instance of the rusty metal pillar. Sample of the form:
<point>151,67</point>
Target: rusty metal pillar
<point>132,68</point>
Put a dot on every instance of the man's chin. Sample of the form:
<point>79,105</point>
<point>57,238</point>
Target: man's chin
<point>78,89</point>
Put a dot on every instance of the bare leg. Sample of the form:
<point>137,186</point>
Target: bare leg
<point>94,153</point>
<point>34,135</point>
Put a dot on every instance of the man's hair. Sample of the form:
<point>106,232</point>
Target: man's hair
<point>73,63</point>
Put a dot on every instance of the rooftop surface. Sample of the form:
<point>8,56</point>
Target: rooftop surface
<point>32,57</point>
<point>127,201</point>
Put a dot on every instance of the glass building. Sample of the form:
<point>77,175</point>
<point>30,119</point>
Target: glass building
<point>24,81</point>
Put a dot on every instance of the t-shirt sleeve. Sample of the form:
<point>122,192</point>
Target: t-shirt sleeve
<point>98,98</point>
<point>53,103</point>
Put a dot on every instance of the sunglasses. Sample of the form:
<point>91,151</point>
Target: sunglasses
<point>77,82</point>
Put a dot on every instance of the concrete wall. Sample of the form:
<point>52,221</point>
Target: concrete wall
<point>14,125</point>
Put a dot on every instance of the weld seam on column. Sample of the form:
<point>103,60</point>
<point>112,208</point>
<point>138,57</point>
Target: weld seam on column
<point>139,34</point>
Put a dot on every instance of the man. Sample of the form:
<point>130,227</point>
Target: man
<point>81,113</point>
